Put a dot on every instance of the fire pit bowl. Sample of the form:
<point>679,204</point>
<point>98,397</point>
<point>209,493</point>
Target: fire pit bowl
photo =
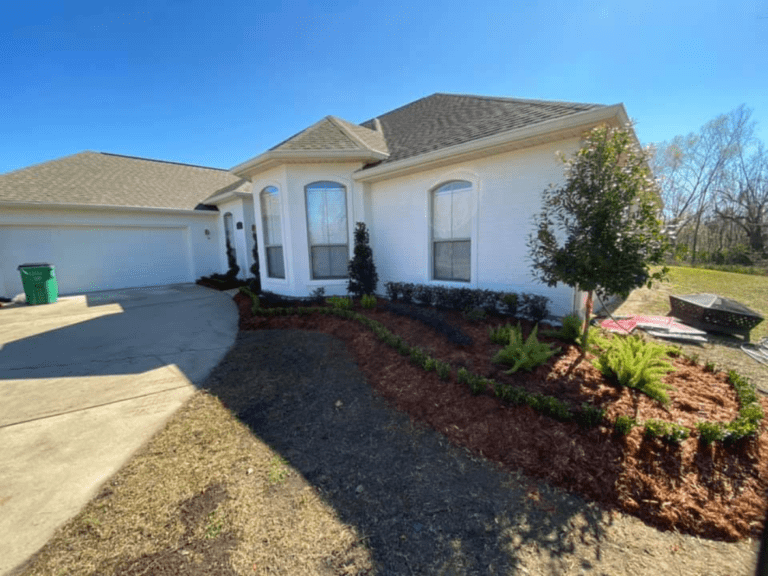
<point>714,313</point>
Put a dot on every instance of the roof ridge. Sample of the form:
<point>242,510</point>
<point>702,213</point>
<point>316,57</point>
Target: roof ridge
<point>339,123</point>
<point>162,161</point>
<point>342,123</point>
<point>513,99</point>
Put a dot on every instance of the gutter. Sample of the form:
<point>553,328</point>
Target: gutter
<point>506,139</point>
<point>108,208</point>
<point>276,157</point>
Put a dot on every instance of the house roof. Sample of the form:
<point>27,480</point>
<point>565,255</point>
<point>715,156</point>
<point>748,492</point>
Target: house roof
<point>332,133</point>
<point>443,120</point>
<point>102,179</point>
<point>434,123</point>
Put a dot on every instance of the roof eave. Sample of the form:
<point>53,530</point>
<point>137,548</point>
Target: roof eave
<point>224,196</point>
<point>273,158</point>
<point>497,143</point>
<point>107,207</point>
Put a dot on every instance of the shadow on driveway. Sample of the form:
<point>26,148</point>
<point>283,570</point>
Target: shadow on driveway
<point>423,505</point>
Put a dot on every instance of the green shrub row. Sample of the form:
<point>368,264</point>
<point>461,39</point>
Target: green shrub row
<point>340,302</point>
<point>666,431</point>
<point>531,306</point>
<point>746,424</point>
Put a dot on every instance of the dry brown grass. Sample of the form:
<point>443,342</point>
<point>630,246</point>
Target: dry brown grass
<point>270,521</point>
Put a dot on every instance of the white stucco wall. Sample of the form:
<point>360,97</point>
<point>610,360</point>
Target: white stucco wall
<point>507,192</point>
<point>507,189</point>
<point>97,249</point>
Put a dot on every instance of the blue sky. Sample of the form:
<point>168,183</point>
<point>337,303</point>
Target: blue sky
<point>216,83</point>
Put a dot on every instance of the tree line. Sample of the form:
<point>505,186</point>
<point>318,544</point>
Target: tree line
<point>714,186</point>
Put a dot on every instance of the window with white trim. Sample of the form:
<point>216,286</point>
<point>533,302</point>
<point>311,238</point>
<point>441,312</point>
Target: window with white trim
<point>273,232</point>
<point>451,231</point>
<point>327,229</point>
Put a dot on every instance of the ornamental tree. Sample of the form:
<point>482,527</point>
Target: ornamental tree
<point>362,271</point>
<point>601,230</point>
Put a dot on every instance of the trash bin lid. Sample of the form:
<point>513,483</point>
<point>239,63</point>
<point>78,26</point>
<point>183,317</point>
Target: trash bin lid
<point>34,266</point>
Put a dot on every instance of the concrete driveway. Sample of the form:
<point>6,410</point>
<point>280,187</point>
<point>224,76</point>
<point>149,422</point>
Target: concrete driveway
<point>84,383</point>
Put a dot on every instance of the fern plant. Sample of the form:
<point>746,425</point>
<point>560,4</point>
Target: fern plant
<point>635,363</point>
<point>525,355</point>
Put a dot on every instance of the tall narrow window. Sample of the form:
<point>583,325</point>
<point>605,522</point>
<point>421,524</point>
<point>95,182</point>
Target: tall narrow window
<point>451,231</point>
<point>327,229</point>
<point>273,232</point>
<point>229,240</point>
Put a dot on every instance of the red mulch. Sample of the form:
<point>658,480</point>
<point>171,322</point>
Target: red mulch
<point>714,492</point>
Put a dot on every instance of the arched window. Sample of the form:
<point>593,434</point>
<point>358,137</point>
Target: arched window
<point>273,232</point>
<point>327,229</point>
<point>451,231</point>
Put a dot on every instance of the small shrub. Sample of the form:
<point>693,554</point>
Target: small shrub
<point>430,364</point>
<point>510,302</point>
<point>418,356</point>
<point>511,394</point>
<point>317,296</point>
<point>550,406</point>
<point>632,362</point>
<point>692,358</point>
<point>589,416</point>
<point>524,355</point>
<point>391,289</point>
<point>423,294</point>
<point>570,331</point>
<point>666,431</point>
<point>477,384</point>
<point>710,367</point>
<point>340,302</point>
<point>534,307</point>
<point>368,301</point>
<point>361,269</point>
<point>443,370</point>
<point>624,424</point>
<point>500,334</point>
<point>710,432</point>
<point>475,314</point>
<point>406,290</point>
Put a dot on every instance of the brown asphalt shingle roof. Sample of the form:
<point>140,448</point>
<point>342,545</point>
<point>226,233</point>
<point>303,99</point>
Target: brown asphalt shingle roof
<point>97,178</point>
<point>443,120</point>
<point>333,133</point>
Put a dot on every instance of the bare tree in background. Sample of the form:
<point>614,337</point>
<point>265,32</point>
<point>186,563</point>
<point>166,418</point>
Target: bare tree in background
<point>743,197</point>
<point>692,168</point>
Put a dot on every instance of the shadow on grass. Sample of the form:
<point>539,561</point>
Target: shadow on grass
<point>421,505</point>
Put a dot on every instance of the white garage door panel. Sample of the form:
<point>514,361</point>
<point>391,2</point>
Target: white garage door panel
<point>89,259</point>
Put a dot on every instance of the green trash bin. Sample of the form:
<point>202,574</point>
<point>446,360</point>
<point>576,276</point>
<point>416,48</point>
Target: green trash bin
<point>39,282</point>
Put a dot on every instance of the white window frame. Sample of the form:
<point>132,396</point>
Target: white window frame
<point>267,191</point>
<point>335,185</point>
<point>432,241</point>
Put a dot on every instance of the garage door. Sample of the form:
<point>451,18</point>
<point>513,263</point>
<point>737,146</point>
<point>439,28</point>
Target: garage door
<point>89,259</point>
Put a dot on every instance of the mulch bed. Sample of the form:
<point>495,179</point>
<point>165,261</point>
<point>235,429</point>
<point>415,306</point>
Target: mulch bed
<point>715,492</point>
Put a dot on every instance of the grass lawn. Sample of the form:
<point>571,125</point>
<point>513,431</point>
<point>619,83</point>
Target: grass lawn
<point>750,290</point>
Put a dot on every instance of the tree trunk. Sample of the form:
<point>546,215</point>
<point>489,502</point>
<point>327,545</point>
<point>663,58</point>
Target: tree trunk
<point>587,315</point>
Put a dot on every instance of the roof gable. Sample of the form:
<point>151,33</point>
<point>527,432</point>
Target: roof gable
<point>97,178</point>
<point>333,134</point>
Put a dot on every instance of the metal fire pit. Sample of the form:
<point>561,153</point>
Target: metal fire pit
<point>715,314</point>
